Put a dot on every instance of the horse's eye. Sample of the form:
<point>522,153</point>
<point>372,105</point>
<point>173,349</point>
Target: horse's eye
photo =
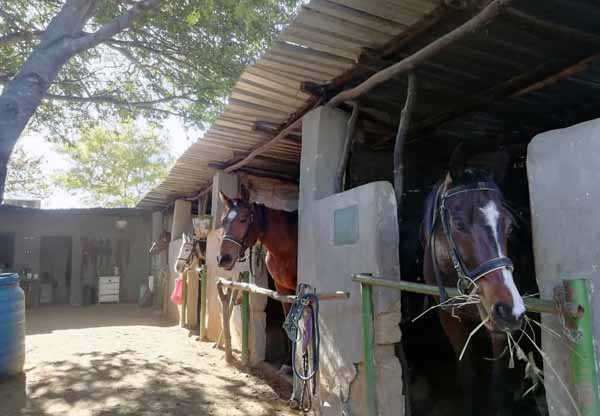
<point>459,225</point>
<point>243,220</point>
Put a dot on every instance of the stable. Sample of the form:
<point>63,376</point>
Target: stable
<point>358,95</point>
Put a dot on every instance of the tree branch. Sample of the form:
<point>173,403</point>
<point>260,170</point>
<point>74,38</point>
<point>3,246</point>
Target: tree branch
<point>107,99</point>
<point>114,27</point>
<point>13,38</point>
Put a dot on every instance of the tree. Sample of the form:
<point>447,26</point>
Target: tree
<point>62,64</point>
<point>26,178</point>
<point>114,168</point>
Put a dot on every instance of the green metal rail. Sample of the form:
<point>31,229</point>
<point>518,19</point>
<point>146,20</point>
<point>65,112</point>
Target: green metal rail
<point>583,360</point>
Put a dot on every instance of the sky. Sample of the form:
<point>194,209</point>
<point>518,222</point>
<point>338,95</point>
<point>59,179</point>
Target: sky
<point>180,138</point>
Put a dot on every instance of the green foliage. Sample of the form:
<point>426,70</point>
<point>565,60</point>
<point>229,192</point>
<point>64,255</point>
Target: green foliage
<point>114,167</point>
<point>181,59</point>
<point>25,176</point>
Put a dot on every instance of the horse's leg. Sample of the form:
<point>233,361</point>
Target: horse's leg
<point>501,388</point>
<point>457,333</point>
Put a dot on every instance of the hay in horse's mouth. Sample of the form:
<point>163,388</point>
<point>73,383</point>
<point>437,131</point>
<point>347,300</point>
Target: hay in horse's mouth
<point>486,315</point>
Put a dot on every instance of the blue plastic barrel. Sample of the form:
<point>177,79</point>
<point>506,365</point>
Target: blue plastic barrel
<point>12,325</point>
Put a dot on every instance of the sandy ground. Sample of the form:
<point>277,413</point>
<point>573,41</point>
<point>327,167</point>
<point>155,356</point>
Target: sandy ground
<point>122,360</point>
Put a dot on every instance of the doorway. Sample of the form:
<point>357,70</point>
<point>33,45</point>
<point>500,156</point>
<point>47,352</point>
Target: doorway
<point>55,269</point>
<point>7,252</point>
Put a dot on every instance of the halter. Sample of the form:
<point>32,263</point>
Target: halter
<point>242,244</point>
<point>467,279</point>
<point>192,242</point>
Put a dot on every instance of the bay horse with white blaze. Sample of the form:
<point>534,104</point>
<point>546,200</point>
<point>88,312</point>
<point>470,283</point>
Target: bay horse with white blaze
<point>464,234</point>
<point>245,224</point>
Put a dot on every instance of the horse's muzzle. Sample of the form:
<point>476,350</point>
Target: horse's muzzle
<point>504,317</point>
<point>225,261</point>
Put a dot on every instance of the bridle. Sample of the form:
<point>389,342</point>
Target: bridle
<point>191,242</point>
<point>467,279</point>
<point>242,243</point>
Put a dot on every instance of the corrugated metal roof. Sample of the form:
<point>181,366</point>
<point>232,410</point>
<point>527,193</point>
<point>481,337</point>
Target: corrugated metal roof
<point>534,68</point>
<point>321,44</point>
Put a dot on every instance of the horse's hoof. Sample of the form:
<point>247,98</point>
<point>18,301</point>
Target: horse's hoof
<point>286,369</point>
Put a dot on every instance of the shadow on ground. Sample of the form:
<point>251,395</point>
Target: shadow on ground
<point>121,383</point>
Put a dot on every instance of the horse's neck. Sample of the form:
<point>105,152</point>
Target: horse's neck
<point>270,232</point>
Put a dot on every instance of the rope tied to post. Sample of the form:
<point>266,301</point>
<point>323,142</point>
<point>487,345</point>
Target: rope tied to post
<point>306,309</point>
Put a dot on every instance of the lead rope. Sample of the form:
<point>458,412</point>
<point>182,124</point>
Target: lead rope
<point>305,308</point>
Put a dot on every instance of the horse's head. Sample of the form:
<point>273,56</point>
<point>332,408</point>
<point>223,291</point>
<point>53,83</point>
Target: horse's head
<point>185,253</point>
<point>477,225</point>
<point>238,232</point>
<point>161,244</point>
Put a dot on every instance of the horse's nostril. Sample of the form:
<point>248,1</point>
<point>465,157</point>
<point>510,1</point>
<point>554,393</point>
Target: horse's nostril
<point>221,260</point>
<point>503,312</point>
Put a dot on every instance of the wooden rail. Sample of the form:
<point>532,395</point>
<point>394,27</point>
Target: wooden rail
<point>226,297</point>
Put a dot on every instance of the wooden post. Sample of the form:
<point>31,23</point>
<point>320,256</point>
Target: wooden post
<point>245,277</point>
<point>203,289</point>
<point>225,297</point>
<point>182,218</point>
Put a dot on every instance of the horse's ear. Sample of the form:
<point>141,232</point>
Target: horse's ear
<point>458,162</point>
<point>244,194</point>
<point>226,201</point>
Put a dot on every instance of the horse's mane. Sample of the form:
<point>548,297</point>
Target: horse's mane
<point>290,217</point>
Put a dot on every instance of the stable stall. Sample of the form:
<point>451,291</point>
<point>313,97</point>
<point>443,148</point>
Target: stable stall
<point>358,95</point>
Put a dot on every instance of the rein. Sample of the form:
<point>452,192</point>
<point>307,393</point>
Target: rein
<point>305,308</point>
<point>467,279</point>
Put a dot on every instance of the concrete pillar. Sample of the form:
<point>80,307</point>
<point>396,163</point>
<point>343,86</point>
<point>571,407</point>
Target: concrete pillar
<point>227,183</point>
<point>340,234</point>
<point>564,189</point>
<point>157,224</point>
<point>323,134</point>
<point>182,219</point>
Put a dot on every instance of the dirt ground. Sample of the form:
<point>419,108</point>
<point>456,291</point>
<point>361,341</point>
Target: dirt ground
<point>108,360</point>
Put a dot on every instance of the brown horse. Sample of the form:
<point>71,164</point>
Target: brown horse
<point>245,224</point>
<point>464,234</point>
<point>161,244</point>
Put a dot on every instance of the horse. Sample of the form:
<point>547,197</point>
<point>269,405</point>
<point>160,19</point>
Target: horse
<point>245,224</point>
<point>191,248</point>
<point>161,244</point>
<point>464,233</point>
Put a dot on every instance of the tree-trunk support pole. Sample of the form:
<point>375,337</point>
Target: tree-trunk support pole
<point>405,118</point>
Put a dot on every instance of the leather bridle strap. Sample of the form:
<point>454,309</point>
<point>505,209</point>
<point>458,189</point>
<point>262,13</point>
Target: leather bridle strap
<point>466,278</point>
<point>242,244</point>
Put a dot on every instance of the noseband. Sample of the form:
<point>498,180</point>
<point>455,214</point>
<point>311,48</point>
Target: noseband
<point>243,243</point>
<point>467,279</point>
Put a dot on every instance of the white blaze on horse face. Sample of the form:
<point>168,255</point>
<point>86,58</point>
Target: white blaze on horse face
<point>491,213</point>
<point>232,214</point>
